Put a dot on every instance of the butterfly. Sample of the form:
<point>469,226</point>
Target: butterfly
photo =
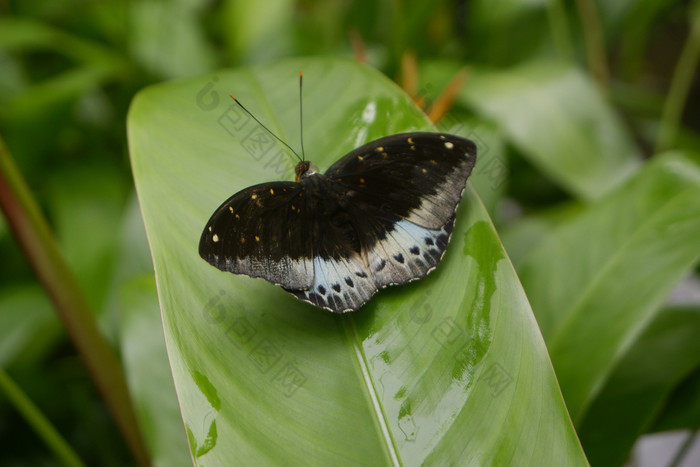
<point>381,215</point>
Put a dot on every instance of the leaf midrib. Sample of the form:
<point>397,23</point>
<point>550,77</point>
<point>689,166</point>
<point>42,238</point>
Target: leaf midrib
<point>377,408</point>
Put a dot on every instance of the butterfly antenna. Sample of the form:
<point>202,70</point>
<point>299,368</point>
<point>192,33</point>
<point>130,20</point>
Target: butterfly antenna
<point>301,116</point>
<point>266,128</point>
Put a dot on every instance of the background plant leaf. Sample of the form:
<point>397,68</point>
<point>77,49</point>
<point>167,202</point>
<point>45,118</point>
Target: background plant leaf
<point>447,370</point>
<point>28,326</point>
<point>178,32</point>
<point>682,410</point>
<point>576,139</point>
<point>96,196</point>
<point>634,395</point>
<point>592,318</point>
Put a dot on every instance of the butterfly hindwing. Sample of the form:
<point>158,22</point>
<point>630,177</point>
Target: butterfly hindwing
<point>406,253</point>
<point>340,285</point>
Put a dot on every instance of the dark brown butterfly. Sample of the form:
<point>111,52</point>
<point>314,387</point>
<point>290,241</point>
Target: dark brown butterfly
<point>381,215</point>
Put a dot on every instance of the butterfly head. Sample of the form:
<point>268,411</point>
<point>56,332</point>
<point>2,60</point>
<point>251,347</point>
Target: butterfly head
<point>304,169</point>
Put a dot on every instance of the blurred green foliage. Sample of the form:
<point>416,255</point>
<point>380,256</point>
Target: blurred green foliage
<point>68,72</point>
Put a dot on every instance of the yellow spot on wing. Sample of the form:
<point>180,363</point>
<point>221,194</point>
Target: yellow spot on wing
<point>257,239</point>
<point>253,196</point>
<point>230,209</point>
<point>272,192</point>
<point>379,149</point>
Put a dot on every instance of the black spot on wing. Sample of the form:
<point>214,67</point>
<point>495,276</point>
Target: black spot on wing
<point>380,265</point>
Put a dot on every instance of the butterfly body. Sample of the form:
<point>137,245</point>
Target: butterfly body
<point>381,215</point>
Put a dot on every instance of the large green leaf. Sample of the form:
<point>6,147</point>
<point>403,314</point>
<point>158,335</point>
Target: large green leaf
<point>599,278</point>
<point>448,370</point>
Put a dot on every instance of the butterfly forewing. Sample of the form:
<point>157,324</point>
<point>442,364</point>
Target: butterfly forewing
<point>260,232</point>
<point>381,215</point>
<point>417,176</point>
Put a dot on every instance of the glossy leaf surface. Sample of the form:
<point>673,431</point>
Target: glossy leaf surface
<point>447,370</point>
